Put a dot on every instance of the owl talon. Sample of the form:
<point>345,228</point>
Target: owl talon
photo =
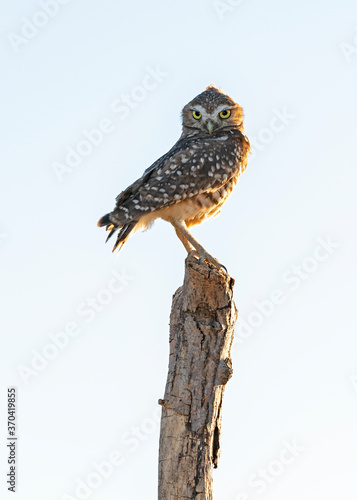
<point>224,267</point>
<point>206,256</point>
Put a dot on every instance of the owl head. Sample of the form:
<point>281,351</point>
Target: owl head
<point>211,111</point>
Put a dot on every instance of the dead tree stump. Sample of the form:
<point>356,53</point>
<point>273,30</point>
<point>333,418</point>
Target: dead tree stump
<point>201,333</point>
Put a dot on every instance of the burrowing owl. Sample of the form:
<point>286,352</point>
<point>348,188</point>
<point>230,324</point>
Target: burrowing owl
<point>192,181</point>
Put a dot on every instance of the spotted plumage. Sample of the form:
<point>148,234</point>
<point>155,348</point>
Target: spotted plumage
<point>192,181</point>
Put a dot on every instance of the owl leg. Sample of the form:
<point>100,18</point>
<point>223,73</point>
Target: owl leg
<point>181,227</point>
<point>184,241</point>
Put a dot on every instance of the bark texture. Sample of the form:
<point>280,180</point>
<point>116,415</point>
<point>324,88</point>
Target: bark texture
<point>201,333</point>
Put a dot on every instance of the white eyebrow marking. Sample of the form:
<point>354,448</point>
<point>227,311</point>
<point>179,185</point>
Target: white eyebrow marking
<point>199,108</point>
<point>227,106</point>
<point>224,107</point>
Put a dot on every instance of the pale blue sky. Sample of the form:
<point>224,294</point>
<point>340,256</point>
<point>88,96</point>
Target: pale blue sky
<point>295,371</point>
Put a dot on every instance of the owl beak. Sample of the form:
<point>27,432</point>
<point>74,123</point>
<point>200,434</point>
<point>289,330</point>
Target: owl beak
<point>210,127</point>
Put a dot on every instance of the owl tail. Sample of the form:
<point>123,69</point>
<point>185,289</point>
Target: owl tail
<point>123,234</point>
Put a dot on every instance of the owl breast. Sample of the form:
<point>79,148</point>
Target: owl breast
<point>196,209</point>
<point>209,204</point>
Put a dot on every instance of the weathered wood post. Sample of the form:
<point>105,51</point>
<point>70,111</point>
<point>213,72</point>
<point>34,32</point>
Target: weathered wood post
<point>201,333</point>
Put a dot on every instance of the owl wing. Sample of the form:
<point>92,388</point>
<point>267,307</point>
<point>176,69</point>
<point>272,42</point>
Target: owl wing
<point>193,166</point>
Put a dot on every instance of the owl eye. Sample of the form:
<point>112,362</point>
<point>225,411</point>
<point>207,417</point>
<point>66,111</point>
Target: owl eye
<point>225,114</point>
<point>197,115</point>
